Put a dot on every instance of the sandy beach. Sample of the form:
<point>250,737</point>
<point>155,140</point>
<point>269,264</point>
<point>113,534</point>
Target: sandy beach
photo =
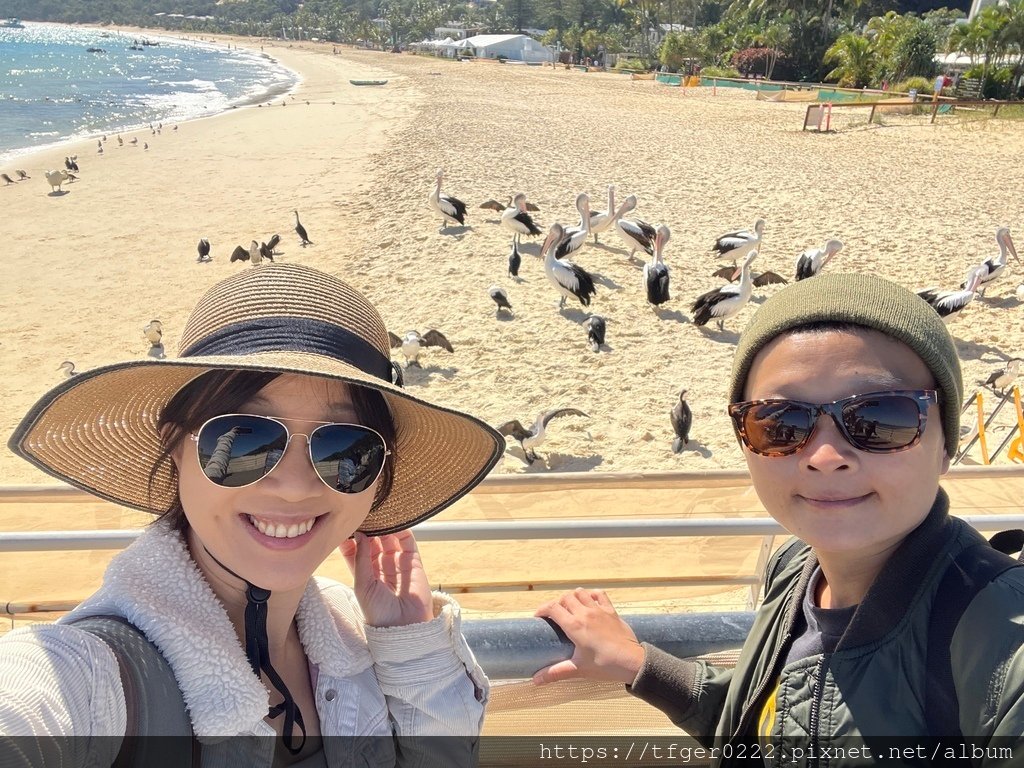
<point>86,270</point>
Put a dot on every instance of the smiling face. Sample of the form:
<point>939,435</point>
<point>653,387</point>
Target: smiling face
<point>830,494</point>
<point>238,525</point>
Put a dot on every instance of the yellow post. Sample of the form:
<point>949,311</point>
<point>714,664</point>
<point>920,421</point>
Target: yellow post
<point>1016,450</point>
<point>981,432</point>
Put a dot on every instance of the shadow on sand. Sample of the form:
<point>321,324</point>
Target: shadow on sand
<point>414,374</point>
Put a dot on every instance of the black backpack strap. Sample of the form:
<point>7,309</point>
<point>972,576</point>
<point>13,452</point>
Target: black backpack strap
<point>972,570</point>
<point>154,703</point>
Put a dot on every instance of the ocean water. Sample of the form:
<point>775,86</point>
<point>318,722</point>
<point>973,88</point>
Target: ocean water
<point>53,89</point>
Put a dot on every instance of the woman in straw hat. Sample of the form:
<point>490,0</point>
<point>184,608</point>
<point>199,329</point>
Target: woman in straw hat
<point>222,582</point>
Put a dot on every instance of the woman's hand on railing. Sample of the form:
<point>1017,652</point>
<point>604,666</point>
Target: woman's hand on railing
<point>606,648</point>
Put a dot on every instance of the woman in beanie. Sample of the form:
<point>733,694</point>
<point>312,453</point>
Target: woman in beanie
<point>280,433</point>
<point>886,622</point>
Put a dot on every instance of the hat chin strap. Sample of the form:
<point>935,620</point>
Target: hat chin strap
<point>257,650</point>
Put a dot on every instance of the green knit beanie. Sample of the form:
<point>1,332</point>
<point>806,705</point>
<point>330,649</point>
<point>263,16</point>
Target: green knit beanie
<point>871,302</point>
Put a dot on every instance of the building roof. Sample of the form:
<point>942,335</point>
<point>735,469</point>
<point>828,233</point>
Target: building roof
<point>482,41</point>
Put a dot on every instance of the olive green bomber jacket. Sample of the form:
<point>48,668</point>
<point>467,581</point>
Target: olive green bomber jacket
<point>872,685</point>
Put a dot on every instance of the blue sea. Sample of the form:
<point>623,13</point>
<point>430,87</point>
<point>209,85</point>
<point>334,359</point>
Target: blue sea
<point>53,89</point>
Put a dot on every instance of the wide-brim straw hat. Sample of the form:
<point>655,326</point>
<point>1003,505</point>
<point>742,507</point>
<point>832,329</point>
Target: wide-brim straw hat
<point>98,429</point>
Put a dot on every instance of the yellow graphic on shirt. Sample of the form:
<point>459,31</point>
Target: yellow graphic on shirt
<point>767,717</point>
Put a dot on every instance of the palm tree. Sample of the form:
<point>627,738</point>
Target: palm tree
<point>774,37</point>
<point>855,58</point>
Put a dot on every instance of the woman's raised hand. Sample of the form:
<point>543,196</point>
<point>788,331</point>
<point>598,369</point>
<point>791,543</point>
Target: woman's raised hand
<point>606,648</point>
<point>390,582</point>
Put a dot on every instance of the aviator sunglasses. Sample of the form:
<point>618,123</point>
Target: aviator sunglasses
<point>878,422</point>
<point>236,450</point>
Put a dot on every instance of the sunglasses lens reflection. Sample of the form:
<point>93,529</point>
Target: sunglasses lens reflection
<point>882,422</point>
<point>779,427</point>
<point>348,458</point>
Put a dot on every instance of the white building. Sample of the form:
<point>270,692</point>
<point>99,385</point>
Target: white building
<point>514,47</point>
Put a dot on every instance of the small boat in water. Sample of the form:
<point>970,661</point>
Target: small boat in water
<point>12,23</point>
<point>368,82</point>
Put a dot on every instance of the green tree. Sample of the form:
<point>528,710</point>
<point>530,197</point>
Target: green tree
<point>855,60</point>
<point>677,48</point>
<point>914,55</point>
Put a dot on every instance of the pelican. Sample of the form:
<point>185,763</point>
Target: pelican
<point>204,250</point>
<point>412,344</point>
<point>1003,379</point>
<point>813,260</point>
<point>301,231</point>
<point>995,266</point>
<point>596,328</point>
<point>514,261</point>
<point>601,221</point>
<point>239,254</point>
<point>656,277</point>
<point>736,245</point>
<point>255,254</point>
<point>56,178</point>
<point>949,304</point>
<point>568,278</point>
<point>759,281</point>
<point>722,303</point>
<point>574,237</point>
<point>68,367</point>
<point>500,298</point>
<point>681,419</point>
<point>451,208</point>
<point>530,438</point>
<point>518,220</point>
<point>637,234</point>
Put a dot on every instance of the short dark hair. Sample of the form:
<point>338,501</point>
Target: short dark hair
<point>217,392</point>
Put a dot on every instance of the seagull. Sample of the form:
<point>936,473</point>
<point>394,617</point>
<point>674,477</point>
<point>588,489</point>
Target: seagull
<point>637,234</point>
<point>412,344</point>
<point>530,438</point>
<point>56,178</point>
<point>135,140</point>
<point>154,332</point>
<point>500,298</point>
<point>239,254</point>
<point>813,260</point>
<point>301,231</point>
<point>575,238</point>
<point>995,266</point>
<point>451,208</point>
<point>22,175</point>
<point>655,275</point>
<point>514,261</point>
<point>596,327</point>
<point>949,304</point>
<point>145,145</point>
<point>7,179</point>
<point>204,250</point>
<point>568,278</point>
<point>722,303</point>
<point>120,141</point>
<point>68,367</point>
<point>601,221</point>
<point>681,418</point>
<point>518,220</point>
<point>736,245</point>
<point>1003,379</point>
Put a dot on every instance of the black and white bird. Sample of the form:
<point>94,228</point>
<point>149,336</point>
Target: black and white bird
<point>301,232</point>
<point>6,179</point>
<point>568,278</point>
<point>120,141</point>
<point>601,221</point>
<point>574,238</point>
<point>736,245</point>
<point>266,252</point>
<point>135,140</point>
<point>516,219</point>
<point>638,235</point>
<point>154,332</point>
<point>813,260</point>
<point>412,344</point>
<point>239,254</point>
<point>255,254</point>
<point>1003,379</point>
<point>22,175</point>
<point>494,205</point>
<point>451,208</point>
<point>530,439</point>
<point>204,250</point>
<point>71,163</point>
<point>56,178</point>
<point>994,266</point>
<point>656,273</point>
<point>722,303</point>
<point>949,304</point>
<point>272,244</point>
<point>681,419</point>
<point>732,274</point>
<point>596,327</point>
<point>514,262</point>
<point>68,367</point>
<point>500,297</point>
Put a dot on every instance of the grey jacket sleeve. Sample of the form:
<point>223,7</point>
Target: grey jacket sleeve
<point>691,693</point>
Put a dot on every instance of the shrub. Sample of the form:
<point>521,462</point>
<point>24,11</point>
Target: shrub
<point>922,85</point>
<point>635,64</point>
<point>720,72</point>
<point>997,83</point>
